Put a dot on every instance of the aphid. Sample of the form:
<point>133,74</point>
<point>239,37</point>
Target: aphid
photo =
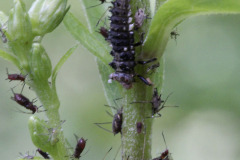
<point>165,155</point>
<point>121,38</point>
<point>157,103</point>
<point>44,154</point>
<point>15,77</point>
<point>139,17</point>
<point>25,102</point>
<point>139,126</point>
<point>174,34</point>
<point>117,121</point>
<point>104,32</point>
<point>81,143</point>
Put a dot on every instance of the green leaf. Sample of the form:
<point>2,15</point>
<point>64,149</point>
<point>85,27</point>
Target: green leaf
<point>61,62</point>
<point>172,12</point>
<point>90,41</point>
<point>9,57</point>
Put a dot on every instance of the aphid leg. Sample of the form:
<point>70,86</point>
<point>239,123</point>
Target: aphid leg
<point>152,68</point>
<point>109,114</point>
<point>99,125</point>
<point>102,16</point>
<point>141,41</point>
<point>148,61</point>
<point>144,80</point>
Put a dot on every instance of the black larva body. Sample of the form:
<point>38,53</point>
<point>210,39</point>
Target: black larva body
<point>121,37</point>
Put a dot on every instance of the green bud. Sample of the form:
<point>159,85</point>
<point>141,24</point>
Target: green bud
<point>39,133</point>
<point>46,15</point>
<point>40,63</point>
<point>19,33</point>
<point>19,25</point>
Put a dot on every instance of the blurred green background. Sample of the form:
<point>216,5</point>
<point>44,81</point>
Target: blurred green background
<point>202,70</point>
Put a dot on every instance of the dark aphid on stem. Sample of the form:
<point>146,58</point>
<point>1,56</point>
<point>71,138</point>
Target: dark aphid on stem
<point>104,32</point>
<point>121,38</point>
<point>117,120</point>
<point>139,126</point>
<point>25,102</point>
<point>157,103</point>
<point>15,77</point>
<point>81,143</point>
<point>44,154</point>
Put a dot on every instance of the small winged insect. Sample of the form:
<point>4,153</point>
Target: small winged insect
<point>81,143</point>
<point>15,77</point>
<point>43,154</point>
<point>157,103</point>
<point>165,155</point>
<point>25,102</point>
<point>26,156</point>
<point>117,120</point>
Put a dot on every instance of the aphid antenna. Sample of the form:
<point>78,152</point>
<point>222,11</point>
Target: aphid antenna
<point>164,140</point>
<point>141,102</point>
<point>98,124</point>
<point>163,105</point>
<point>102,16</point>
<point>111,107</point>
<point>104,158</point>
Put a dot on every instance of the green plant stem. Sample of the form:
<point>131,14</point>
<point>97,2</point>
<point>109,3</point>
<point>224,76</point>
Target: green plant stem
<point>50,101</point>
<point>137,145</point>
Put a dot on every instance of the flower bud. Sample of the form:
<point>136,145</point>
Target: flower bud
<point>19,25</point>
<point>40,62</point>
<point>46,15</point>
<point>39,132</point>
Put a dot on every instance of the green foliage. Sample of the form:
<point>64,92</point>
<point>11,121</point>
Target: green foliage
<point>166,15</point>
